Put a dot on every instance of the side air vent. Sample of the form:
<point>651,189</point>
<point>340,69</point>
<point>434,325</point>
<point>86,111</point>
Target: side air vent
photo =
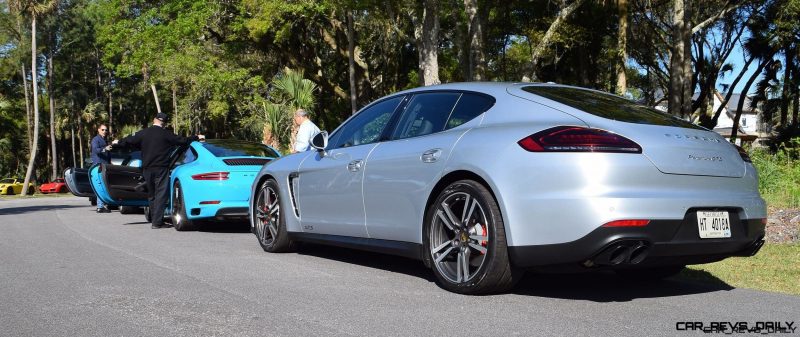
<point>293,190</point>
<point>246,161</point>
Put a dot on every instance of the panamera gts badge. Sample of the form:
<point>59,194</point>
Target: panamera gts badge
<point>714,158</point>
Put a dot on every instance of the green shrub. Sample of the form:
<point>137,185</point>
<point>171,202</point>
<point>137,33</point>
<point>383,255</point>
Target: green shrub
<point>779,175</point>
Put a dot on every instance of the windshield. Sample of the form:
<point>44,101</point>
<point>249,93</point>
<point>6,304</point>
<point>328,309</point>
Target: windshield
<point>238,149</point>
<point>608,106</point>
<point>7,181</point>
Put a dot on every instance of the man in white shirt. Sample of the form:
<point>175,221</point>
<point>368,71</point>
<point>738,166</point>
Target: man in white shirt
<point>305,132</point>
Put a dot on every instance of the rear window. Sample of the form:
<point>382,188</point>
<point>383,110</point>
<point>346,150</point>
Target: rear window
<point>239,149</point>
<point>609,106</point>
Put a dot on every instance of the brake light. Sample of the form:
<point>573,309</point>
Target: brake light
<point>578,139</point>
<point>627,223</point>
<point>211,176</point>
<point>743,154</point>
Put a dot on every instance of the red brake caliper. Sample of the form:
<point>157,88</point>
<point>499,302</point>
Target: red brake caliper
<point>479,230</point>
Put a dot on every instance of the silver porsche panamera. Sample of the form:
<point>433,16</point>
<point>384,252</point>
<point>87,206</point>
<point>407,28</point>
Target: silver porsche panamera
<point>482,181</point>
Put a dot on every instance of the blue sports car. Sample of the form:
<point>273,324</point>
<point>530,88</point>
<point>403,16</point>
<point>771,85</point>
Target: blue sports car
<point>208,181</point>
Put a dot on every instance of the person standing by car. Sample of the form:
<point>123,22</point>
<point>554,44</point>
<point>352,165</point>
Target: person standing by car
<point>155,143</point>
<point>305,132</point>
<point>100,155</point>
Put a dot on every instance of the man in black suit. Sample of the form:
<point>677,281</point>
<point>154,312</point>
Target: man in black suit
<point>156,143</point>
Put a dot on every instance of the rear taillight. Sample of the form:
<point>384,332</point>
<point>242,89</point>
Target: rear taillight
<point>578,139</point>
<point>211,176</point>
<point>627,223</point>
<point>743,154</point>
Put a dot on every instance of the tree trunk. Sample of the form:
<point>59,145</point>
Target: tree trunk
<point>72,138</point>
<point>796,90</point>
<point>32,160</point>
<point>175,108</point>
<point>80,138</point>
<point>427,35</point>
<point>786,94</point>
<point>51,96</point>
<point>27,107</point>
<point>728,95</point>
<point>746,89</point>
<point>110,113</point>
<point>679,74</point>
<point>622,47</point>
<point>536,54</point>
<point>476,54</point>
<point>351,69</point>
<point>155,97</point>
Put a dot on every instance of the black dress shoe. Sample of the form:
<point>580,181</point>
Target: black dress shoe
<point>103,210</point>
<point>157,227</point>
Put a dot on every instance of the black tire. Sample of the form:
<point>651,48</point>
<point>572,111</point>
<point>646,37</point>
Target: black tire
<point>147,216</point>
<point>179,219</point>
<point>449,241</point>
<point>93,201</point>
<point>10,191</point>
<point>651,274</point>
<point>126,209</point>
<point>269,219</point>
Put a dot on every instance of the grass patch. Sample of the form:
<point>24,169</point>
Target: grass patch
<point>778,177</point>
<point>775,268</point>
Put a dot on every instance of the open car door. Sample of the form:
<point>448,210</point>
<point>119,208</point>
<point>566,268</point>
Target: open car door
<point>77,180</point>
<point>119,185</point>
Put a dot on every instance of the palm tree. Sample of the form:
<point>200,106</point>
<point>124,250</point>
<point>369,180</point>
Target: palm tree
<point>289,92</point>
<point>760,46</point>
<point>34,9</point>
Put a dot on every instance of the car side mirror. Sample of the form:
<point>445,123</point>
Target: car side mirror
<point>320,142</point>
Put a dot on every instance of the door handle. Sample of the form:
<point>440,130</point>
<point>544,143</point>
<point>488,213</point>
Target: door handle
<point>355,165</point>
<point>431,156</point>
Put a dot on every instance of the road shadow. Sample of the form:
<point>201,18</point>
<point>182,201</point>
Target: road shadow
<point>30,209</point>
<point>606,286</point>
<point>594,286</point>
<point>224,227</point>
<point>136,223</point>
<point>391,263</point>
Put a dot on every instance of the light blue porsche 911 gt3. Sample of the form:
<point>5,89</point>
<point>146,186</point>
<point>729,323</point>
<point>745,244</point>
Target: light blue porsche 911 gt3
<point>209,180</point>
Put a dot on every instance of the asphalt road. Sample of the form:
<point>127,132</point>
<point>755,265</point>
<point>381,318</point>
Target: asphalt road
<point>67,271</point>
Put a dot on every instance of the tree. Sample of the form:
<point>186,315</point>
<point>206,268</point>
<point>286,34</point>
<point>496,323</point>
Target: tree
<point>33,9</point>
<point>622,53</point>
<point>476,56</point>
<point>426,32</point>
<point>537,51</point>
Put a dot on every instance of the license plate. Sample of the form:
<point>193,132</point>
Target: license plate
<point>713,225</point>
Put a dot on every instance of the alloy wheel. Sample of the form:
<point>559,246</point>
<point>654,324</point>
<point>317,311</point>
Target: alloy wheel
<point>267,213</point>
<point>459,237</point>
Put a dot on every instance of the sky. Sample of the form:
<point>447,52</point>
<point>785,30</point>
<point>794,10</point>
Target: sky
<point>737,58</point>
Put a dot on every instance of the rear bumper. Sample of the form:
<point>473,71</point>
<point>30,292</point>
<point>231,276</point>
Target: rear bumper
<point>232,213</point>
<point>661,242</point>
<point>225,210</point>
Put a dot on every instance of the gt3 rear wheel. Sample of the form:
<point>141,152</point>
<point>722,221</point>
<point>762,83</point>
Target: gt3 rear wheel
<point>179,219</point>
<point>465,241</point>
<point>270,226</point>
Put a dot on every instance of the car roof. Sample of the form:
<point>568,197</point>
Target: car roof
<point>492,88</point>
